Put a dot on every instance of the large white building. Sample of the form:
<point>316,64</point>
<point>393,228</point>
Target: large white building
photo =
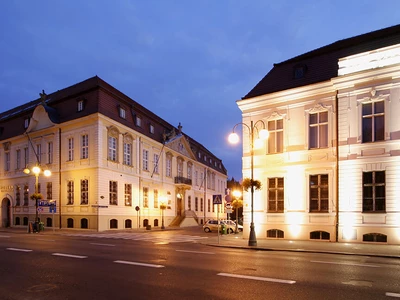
<point>114,164</point>
<point>331,166</point>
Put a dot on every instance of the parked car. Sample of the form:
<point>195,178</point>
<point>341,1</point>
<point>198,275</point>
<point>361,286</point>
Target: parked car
<point>212,225</point>
<point>233,223</point>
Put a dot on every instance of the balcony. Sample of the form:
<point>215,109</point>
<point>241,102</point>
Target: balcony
<point>180,180</point>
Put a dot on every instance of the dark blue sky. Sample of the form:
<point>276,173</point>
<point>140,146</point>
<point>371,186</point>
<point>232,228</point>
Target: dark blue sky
<point>187,61</point>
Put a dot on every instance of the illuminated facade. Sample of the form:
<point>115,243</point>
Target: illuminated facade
<point>114,164</point>
<point>330,169</point>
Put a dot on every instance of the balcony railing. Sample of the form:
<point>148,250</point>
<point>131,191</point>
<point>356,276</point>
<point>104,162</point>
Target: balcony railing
<point>183,180</point>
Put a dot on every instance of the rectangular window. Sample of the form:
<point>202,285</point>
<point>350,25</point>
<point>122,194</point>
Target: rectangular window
<point>127,154</point>
<point>84,191</point>
<point>151,128</point>
<point>50,152</point>
<point>145,197</point>
<point>155,193</point>
<point>373,121</point>
<point>145,160</point>
<point>275,140</point>
<point>7,156</point>
<point>374,194</point>
<point>275,194</point>
<point>319,193</point>
<point>196,177</point>
<point>85,146</point>
<point>39,152</point>
<point>128,194</point>
<point>26,123</point>
<point>122,113</point>
<point>18,154</point>
<point>70,149</point>
<point>196,204</point>
<point>201,204</point>
<point>155,163</point>
<point>209,205</point>
<point>17,195</point>
<point>169,166</point>
<point>26,195</point>
<point>113,192</point>
<point>318,130</point>
<point>180,168</point>
<point>138,121</point>
<point>189,171</point>
<point>80,105</point>
<point>70,192</point>
<point>49,191</point>
<point>112,148</point>
<point>26,156</point>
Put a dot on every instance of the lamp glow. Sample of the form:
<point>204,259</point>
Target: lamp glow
<point>233,138</point>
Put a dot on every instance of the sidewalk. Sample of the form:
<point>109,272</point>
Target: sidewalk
<point>237,241</point>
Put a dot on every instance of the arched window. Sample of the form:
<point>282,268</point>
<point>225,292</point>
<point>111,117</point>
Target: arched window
<point>145,222</point>
<point>128,223</point>
<point>320,235</point>
<point>114,223</point>
<point>155,222</point>
<point>49,222</point>
<point>275,233</point>
<point>375,238</point>
<point>70,223</point>
<point>112,143</point>
<point>84,223</point>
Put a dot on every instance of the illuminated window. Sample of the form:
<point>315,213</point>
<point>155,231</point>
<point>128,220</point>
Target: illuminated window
<point>275,140</point>
<point>169,166</point>
<point>70,192</point>
<point>84,192</point>
<point>128,194</point>
<point>128,154</point>
<point>155,194</point>
<point>112,148</point>
<point>196,204</point>
<point>373,121</point>
<point>318,130</point>
<point>49,190</point>
<point>145,197</point>
<point>145,160</point>
<point>85,146</point>
<point>26,195</point>
<point>17,195</point>
<point>374,199</point>
<point>113,190</point>
<point>319,193</point>
<point>275,195</point>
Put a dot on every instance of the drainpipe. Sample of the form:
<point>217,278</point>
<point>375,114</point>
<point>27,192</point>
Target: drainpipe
<point>59,176</point>
<point>337,167</point>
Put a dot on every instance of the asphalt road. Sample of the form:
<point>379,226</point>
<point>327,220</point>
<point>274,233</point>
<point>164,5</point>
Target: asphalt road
<point>173,265</point>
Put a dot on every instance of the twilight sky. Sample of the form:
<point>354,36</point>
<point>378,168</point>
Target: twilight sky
<point>188,61</point>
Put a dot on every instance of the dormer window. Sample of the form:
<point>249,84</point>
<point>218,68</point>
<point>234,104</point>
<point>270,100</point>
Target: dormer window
<point>138,121</point>
<point>122,112</point>
<point>26,123</point>
<point>299,71</point>
<point>80,105</point>
<point>151,128</point>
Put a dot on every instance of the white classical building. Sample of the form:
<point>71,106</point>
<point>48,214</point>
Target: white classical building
<point>331,166</point>
<point>114,164</point>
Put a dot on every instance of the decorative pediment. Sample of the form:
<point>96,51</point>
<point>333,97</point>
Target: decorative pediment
<point>180,145</point>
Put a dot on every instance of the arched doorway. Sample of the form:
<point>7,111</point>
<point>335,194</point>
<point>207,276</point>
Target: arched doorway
<point>5,213</point>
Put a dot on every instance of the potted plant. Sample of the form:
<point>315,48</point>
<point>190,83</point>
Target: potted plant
<point>248,183</point>
<point>36,196</point>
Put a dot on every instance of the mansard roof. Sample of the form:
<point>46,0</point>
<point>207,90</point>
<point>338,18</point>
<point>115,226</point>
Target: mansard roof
<point>321,64</point>
<point>99,97</point>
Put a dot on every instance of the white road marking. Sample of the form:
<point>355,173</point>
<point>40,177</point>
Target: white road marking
<point>4,236</point>
<point>46,240</point>
<point>395,295</point>
<point>258,278</point>
<point>347,264</point>
<point>138,264</point>
<point>98,244</point>
<point>21,250</point>
<point>69,255</point>
<point>199,252</point>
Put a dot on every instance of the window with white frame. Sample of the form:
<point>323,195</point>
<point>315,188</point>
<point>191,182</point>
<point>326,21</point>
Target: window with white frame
<point>155,163</point>
<point>70,192</point>
<point>84,146</point>
<point>373,121</point>
<point>113,192</point>
<point>151,128</point>
<point>275,140</point>
<point>112,141</point>
<point>155,194</point>
<point>180,167</point>
<point>80,105</point>
<point>7,157</point>
<point>122,112</point>
<point>169,166</point>
<point>189,170</point>
<point>275,194</point>
<point>26,123</point>
<point>26,195</point>
<point>374,194</point>
<point>17,195</point>
<point>84,191</point>
<point>196,177</point>
<point>138,121</point>
<point>26,156</point>
<point>39,152</point>
<point>49,190</point>
<point>318,130</point>
<point>128,194</point>
<point>145,197</point>
<point>319,193</point>
<point>70,149</point>
<point>50,152</point>
<point>127,154</point>
<point>145,159</point>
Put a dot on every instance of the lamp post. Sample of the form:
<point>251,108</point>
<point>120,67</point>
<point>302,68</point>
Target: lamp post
<point>163,206</point>
<point>234,139</point>
<point>36,170</point>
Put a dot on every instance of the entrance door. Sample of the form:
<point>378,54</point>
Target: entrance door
<point>5,213</point>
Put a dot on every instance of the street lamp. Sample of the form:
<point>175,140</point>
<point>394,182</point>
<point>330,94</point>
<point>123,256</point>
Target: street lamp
<point>234,139</point>
<point>163,206</point>
<point>36,170</point>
